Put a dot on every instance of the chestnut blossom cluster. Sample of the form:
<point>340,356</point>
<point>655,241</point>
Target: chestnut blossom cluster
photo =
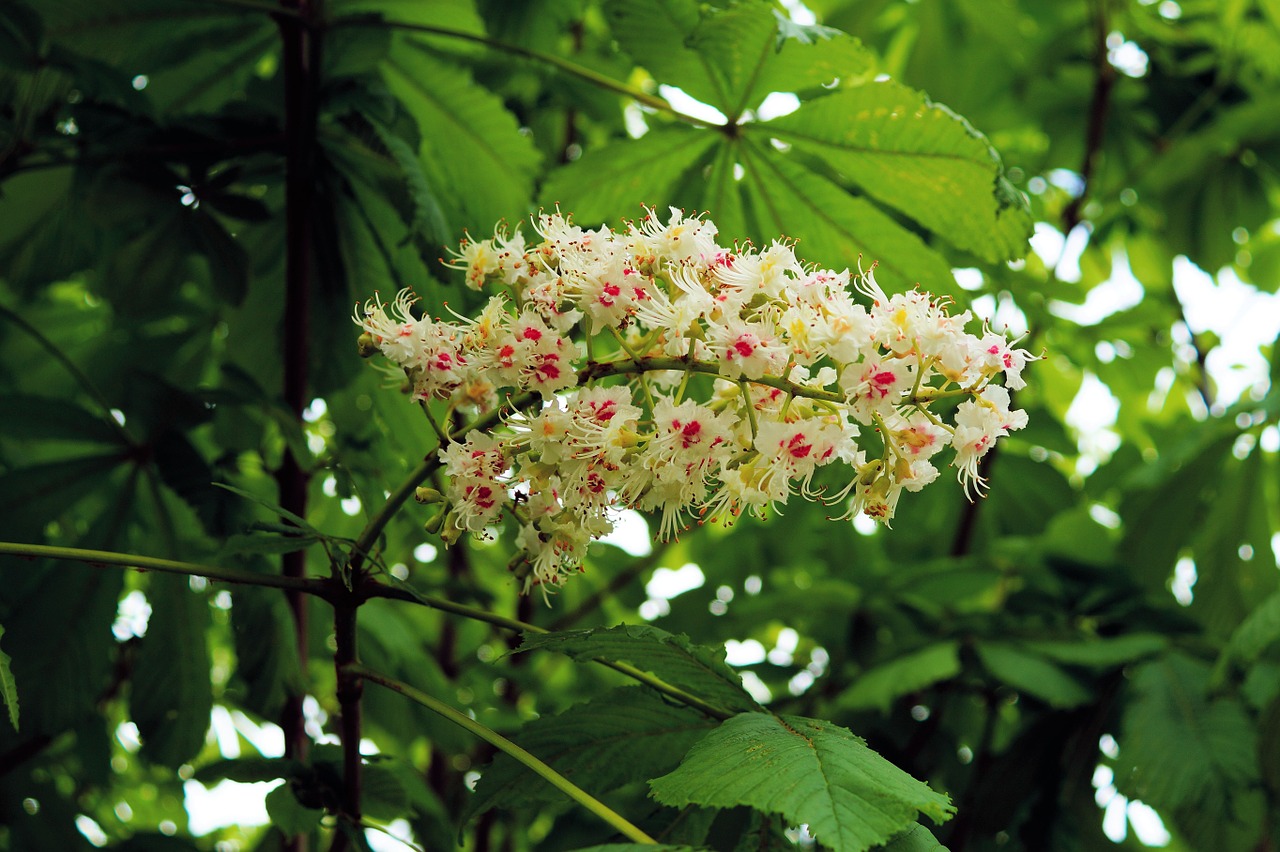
<point>652,368</point>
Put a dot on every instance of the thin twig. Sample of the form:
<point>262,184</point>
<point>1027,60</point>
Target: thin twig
<point>592,804</point>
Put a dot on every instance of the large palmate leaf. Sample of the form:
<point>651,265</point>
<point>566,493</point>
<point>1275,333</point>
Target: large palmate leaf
<point>811,772</point>
<point>628,734</point>
<point>696,668</point>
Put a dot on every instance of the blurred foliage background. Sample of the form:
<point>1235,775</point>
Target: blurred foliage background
<point>194,194</point>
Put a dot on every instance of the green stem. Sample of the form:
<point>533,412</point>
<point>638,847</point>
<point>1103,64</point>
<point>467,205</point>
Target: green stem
<point>99,558</point>
<point>375,589</point>
<point>517,753</point>
<point>570,68</point>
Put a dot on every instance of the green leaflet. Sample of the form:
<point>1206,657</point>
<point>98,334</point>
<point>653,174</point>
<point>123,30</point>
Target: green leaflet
<point>1259,630</point>
<point>810,772</point>
<point>288,814</point>
<point>1178,746</point>
<point>636,847</point>
<point>835,228</point>
<point>61,643</point>
<point>8,686</point>
<point>171,696</point>
<point>467,131</point>
<point>733,58</point>
<point>622,176</point>
<point>1101,653</point>
<point>267,669</point>
<point>628,734</point>
<point>656,33</point>
<point>31,417</point>
<point>695,668</point>
<point>1032,674</point>
<point>879,687</point>
<point>916,157</point>
<point>918,839</point>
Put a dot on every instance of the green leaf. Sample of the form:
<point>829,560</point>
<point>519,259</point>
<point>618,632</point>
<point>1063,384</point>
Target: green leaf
<point>1033,674</point>
<point>1177,746</point>
<point>266,650</point>
<point>383,795</point>
<point>835,228</point>
<point>811,772</point>
<point>918,839</point>
<point>247,770</point>
<point>657,33</point>
<point>228,261</point>
<point>917,157</point>
<point>467,132</point>
<point>1101,653</point>
<point>811,56</point>
<point>60,636</point>
<point>30,417</point>
<point>21,37</point>
<point>8,686</point>
<point>1254,635</point>
<point>624,175</point>
<point>880,686</point>
<point>172,697</point>
<point>273,508</point>
<point>30,496</point>
<point>679,662</point>
<point>636,847</point>
<point>628,734</point>
<point>288,814</point>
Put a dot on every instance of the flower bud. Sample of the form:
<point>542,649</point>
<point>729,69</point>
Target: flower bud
<point>436,522</point>
<point>367,345</point>
<point>427,495</point>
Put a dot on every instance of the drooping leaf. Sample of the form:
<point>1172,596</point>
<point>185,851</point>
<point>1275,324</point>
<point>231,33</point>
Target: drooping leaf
<point>8,686</point>
<point>917,157</point>
<point>1033,674</point>
<point>172,697</point>
<point>266,650</point>
<point>695,668</point>
<point>918,839</point>
<point>810,772</point>
<point>628,734</point>
<point>880,686</point>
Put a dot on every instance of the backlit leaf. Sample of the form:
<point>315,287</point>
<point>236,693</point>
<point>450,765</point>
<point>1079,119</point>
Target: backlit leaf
<point>810,772</point>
